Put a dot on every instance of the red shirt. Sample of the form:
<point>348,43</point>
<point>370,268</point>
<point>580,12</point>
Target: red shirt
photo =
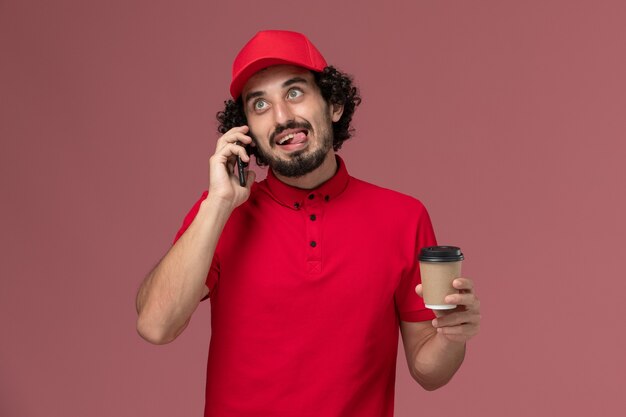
<point>307,290</point>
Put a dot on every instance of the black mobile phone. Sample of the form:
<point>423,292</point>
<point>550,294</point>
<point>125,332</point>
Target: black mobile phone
<point>241,168</point>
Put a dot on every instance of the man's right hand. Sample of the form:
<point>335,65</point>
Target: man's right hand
<point>171,292</point>
<point>223,183</point>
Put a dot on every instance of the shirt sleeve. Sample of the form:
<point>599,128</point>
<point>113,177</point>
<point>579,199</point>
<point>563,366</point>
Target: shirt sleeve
<point>410,305</point>
<point>213,274</point>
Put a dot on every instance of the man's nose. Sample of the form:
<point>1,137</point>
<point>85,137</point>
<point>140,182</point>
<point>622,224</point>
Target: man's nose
<point>282,113</point>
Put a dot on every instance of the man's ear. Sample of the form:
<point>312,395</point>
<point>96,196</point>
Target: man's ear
<point>336,110</point>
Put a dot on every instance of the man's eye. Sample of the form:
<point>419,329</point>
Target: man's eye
<point>259,105</point>
<point>294,93</point>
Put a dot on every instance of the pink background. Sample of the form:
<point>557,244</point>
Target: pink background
<point>506,118</point>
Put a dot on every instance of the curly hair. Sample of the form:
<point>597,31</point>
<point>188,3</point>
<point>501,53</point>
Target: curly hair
<point>336,88</point>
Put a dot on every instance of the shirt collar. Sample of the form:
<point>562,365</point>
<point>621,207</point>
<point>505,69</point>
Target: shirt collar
<point>297,197</point>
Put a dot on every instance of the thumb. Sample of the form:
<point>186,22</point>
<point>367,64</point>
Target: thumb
<point>419,290</point>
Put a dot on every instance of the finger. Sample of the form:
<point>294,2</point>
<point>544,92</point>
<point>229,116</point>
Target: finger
<point>239,138</point>
<point>466,330</point>
<point>235,138</point>
<point>235,131</point>
<point>451,319</point>
<point>463,284</point>
<point>464,299</point>
<point>231,150</point>
<point>419,290</point>
<point>456,330</point>
<point>242,128</point>
<point>456,319</point>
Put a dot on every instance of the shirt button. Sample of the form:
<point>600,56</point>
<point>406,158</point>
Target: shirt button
<point>313,244</point>
<point>312,217</point>
<point>311,196</point>
<point>326,197</point>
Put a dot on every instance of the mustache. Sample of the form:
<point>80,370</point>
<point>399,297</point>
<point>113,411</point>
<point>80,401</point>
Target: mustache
<point>290,125</point>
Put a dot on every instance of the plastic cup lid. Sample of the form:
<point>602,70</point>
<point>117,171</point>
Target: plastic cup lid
<point>441,254</point>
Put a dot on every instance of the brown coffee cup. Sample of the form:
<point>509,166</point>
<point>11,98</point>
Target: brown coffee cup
<point>439,266</point>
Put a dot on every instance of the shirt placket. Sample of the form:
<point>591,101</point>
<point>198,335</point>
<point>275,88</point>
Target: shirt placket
<point>313,221</point>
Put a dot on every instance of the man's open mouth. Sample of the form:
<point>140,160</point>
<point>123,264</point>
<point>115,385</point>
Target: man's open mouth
<point>293,138</point>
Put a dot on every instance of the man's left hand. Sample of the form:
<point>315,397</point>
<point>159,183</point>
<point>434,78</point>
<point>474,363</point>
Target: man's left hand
<point>463,322</point>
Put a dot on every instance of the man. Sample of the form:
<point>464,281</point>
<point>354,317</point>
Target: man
<point>311,273</point>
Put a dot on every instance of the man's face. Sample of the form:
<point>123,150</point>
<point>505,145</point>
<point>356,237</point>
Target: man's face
<point>289,119</point>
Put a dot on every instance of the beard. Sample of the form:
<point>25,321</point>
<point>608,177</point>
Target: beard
<point>300,162</point>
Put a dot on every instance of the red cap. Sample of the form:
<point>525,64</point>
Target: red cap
<point>273,47</point>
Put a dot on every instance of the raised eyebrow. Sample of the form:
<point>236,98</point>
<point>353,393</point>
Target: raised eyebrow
<point>252,95</point>
<point>294,80</point>
<point>289,82</point>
